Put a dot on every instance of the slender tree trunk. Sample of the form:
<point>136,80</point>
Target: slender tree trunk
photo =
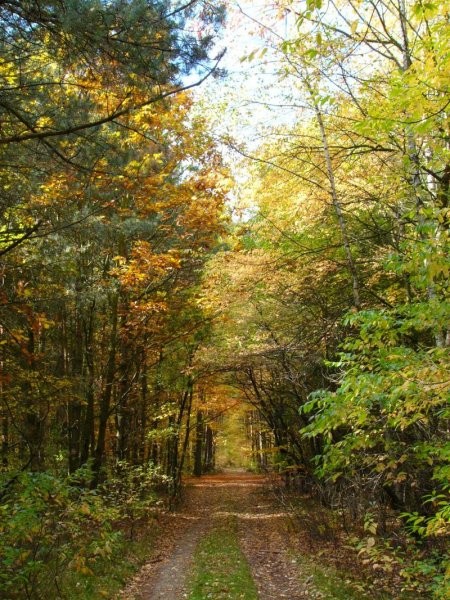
<point>199,439</point>
<point>5,439</point>
<point>87,432</point>
<point>351,264</point>
<point>187,431</point>
<point>74,408</point>
<point>34,420</point>
<point>4,415</point>
<point>105,400</point>
<point>123,423</point>
<point>209,458</point>
<point>173,450</point>
<point>142,455</point>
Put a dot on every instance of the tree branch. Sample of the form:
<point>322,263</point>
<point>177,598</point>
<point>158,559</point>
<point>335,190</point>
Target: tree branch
<point>41,135</point>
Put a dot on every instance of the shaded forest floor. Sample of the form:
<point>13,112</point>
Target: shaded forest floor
<point>270,544</point>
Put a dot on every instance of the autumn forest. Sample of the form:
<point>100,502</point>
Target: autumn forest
<point>224,244</point>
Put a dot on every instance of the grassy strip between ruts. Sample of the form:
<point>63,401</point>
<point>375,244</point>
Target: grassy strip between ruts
<point>220,569</point>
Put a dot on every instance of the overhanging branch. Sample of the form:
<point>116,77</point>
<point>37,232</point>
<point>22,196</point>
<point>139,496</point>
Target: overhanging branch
<point>42,135</point>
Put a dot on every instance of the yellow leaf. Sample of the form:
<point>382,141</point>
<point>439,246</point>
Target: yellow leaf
<point>84,509</point>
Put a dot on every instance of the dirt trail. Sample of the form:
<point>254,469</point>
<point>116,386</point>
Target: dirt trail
<point>263,533</point>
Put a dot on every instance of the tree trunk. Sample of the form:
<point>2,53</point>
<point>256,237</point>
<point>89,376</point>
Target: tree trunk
<point>209,458</point>
<point>33,430</point>
<point>87,432</point>
<point>351,264</point>
<point>179,466</point>
<point>199,439</point>
<point>105,400</point>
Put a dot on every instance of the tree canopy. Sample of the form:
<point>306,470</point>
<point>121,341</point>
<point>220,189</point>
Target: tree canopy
<point>178,271</point>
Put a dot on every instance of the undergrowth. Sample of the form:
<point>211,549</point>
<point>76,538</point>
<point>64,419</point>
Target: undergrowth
<point>59,539</point>
<point>357,560</point>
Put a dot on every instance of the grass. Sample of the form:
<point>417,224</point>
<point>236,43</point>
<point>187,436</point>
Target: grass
<point>221,570</point>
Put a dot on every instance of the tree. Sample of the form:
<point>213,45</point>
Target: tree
<point>72,74</point>
<point>113,179</point>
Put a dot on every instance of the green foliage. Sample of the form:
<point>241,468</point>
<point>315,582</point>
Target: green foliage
<point>52,526</point>
<point>390,389</point>
<point>434,570</point>
<point>421,573</point>
<point>131,491</point>
<point>430,574</point>
<point>384,427</point>
<point>54,531</point>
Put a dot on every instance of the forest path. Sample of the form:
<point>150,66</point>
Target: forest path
<point>263,531</point>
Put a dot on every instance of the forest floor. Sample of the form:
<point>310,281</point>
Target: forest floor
<point>267,541</point>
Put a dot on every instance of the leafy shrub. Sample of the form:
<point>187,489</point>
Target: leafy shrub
<point>49,526</point>
<point>131,491</point>
<point>434,568</point>
<point>385,428</point>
